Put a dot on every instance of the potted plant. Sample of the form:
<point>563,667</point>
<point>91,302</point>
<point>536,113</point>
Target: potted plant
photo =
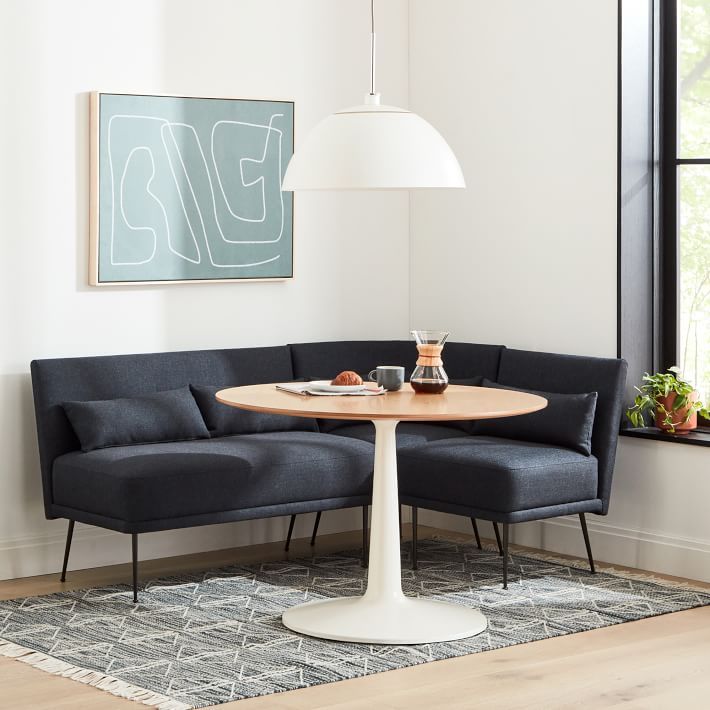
<point>673,401</point>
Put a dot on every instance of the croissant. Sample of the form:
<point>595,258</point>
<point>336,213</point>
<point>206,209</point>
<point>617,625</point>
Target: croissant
<point>347,377</point>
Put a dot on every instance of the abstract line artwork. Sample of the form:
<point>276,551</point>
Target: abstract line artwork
<point>189,189</point>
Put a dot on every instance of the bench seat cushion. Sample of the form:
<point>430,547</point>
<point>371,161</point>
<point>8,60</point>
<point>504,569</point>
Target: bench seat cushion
<point>170,480</point>
<point>490,473</point>
<point>408,433</point>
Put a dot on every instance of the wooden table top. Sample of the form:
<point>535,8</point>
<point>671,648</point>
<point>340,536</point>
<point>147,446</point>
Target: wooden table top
<point>456,402</point>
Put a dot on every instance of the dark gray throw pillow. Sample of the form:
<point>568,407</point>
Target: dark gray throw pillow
<point>223,420</point>
<point>159,416</point>
<point>566,421</point>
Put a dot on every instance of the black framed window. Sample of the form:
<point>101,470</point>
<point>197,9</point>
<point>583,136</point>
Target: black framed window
<point>685,188</point>
<point>664,189</point>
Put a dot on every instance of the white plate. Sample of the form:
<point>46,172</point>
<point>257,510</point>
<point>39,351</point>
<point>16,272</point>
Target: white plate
<point>325,386</point>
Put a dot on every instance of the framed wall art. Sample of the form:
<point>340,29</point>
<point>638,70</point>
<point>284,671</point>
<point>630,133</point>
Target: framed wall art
<point>187,189</point>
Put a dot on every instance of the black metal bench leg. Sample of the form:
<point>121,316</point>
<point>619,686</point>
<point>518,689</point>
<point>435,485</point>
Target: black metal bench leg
<point>415,525</point>
<point>587,544</point>
<point>134,546</point>
<point>475,532</point>
<point>365,550</point>
<point>67,547</point>
<point>315,528</point>
<point>505,555</point>
<point>290,532</point>
<point>497,532</point>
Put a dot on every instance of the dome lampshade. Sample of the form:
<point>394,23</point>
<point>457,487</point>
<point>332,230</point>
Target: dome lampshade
<point>373,147</point>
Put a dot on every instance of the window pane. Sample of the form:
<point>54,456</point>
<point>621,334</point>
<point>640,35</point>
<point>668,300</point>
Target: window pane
<point>694,354</point>
<point>694,78</point>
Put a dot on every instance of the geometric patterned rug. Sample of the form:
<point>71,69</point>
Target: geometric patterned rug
<point>212,637</point>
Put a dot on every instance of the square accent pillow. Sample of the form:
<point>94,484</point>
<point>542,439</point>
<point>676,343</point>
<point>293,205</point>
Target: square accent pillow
<point>223,420</point>
<point>172,415</point>
<point>566,421</point>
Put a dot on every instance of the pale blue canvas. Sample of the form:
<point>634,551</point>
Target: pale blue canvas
<point>190,189</point>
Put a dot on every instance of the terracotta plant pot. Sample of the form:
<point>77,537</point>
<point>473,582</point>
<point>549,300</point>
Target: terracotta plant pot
<point>678,418</point>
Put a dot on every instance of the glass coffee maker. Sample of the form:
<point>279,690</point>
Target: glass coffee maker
<point>429,376</point>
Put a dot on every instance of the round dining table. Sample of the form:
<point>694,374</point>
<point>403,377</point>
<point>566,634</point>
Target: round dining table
<point>383,614</point>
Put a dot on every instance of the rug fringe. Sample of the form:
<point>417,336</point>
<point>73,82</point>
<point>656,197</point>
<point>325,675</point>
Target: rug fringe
<point>579,563</point>
<point>104,682</point>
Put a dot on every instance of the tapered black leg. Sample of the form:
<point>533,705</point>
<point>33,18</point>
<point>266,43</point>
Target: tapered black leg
<point>415,525</point>
<point>365,549</point>
<point>505,555</point>
<point>134,545</point>
<point>70,532</point>
<point>315,528</point>
<point>290,532</point>
<point>587,544</point>
<point>497,532</point>
<point>475,532</point>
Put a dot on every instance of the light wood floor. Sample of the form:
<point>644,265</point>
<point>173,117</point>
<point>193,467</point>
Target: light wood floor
<point>662,662</point>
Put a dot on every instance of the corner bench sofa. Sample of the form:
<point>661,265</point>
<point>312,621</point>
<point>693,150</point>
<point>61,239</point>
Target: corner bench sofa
<point>271,465</point>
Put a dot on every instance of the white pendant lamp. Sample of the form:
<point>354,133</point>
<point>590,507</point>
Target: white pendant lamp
<point>373,147</point>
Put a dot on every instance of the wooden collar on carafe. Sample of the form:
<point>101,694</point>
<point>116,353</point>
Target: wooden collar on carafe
<point>430,355</point>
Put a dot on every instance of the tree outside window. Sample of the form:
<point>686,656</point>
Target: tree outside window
<point>694,192</point>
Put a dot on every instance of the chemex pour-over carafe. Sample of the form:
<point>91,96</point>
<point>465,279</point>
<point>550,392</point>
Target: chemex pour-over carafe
<point>429,377</point>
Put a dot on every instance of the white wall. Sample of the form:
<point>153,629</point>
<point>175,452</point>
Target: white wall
<point>51,54</point>
<point>526,94</point>
<point>526,256</point>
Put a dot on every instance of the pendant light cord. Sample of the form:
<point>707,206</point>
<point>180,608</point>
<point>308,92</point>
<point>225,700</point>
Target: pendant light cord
<point>372,47</point>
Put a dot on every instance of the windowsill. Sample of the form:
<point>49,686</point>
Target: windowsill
<point>699,437</point>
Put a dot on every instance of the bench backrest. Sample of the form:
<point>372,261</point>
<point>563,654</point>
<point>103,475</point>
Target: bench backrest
<point>572,374</point>
<point>325,360</point>
<point>55,381</point>
<point>59,380</point>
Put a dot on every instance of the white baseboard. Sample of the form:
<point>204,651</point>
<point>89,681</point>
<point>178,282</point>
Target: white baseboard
<point>95,547</point>
<point>655,552</point>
